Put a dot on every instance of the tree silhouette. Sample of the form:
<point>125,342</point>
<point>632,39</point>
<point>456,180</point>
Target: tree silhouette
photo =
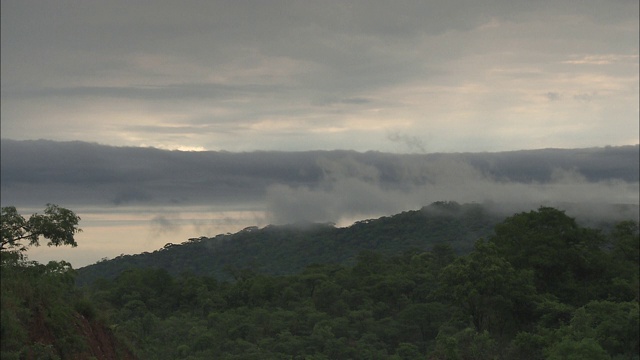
<point>57,224</point>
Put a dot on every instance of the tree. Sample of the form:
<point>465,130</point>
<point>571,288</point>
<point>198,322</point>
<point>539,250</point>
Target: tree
<point>585,349</point>
<point>498,297</point>
<point>57,224</point>
<point>624,262</point>
<point>562,254</point>
<point>613,325</point>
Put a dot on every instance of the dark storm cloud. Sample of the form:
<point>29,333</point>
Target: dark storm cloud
<point>314,185</point>
<point>92,173</point>
<point>595,164</point>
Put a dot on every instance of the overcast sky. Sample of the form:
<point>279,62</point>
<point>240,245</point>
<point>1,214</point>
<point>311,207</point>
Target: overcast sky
<point>234,77</point>
<point>395,76</point>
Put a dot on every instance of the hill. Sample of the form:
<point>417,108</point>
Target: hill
<point>288,249</point>
<point>44,316</point>
<point>541,286</point>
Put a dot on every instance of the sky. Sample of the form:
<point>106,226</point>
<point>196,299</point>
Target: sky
<point>390,76</point>
<point>275,82</point>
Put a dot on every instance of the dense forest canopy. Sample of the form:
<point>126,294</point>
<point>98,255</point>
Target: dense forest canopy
<point>539,285</point>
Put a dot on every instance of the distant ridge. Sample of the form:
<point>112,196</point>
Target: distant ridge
<point>288,249</point>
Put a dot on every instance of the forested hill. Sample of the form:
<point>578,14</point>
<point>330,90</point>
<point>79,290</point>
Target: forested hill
<point>541,286</point>
<point>280,250</point>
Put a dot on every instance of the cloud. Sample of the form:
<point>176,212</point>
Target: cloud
<point>308,76</point>
<point>413,143</point>
<point>585,97</point>
<point>343,200</point>
<point>606,59</point>
<point>308,186</point>
<point>332,100</point>
<point>137,199</point>
<point>553,96</point>
<point>165,224</point>
<point>130,195</point>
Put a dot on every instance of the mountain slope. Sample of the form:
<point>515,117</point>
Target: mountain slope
<point>289,249</point>
<point>45,317</point>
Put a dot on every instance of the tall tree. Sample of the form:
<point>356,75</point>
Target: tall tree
<point>561,253</point>
<point>498,297</point>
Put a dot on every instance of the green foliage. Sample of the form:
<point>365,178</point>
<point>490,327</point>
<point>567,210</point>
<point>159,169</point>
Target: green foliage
<point>481,307</point>
<point>57,224</point>
<point>28,289</point>
<point>585,349</point>
<point>497,297</point>
<point>494,302</point>
<point>85,308</point>
<point>561,254</point>
<point>624,263</point>
<point>613,326</point>
<point>43,314</point>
